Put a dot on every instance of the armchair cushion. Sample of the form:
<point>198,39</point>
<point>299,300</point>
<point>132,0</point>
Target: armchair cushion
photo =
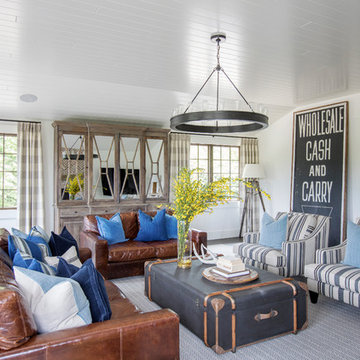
<point>352,254</point>
<point>339,275</point>
<point>262,254</point>
<point>273,232</point>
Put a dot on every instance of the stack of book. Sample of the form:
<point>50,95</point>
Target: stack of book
<point>230,267</point>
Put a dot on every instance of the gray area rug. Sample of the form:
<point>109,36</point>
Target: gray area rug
<point>333,333</point>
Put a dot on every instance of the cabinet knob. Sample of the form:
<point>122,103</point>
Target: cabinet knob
<point>75,212</point>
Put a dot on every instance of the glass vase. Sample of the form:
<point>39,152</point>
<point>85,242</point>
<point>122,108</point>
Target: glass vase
<point>184,246</point>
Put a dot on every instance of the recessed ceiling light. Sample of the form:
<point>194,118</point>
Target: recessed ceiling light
<point>28,98</point>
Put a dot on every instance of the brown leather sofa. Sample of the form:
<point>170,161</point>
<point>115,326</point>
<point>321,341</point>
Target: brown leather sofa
<point>129,334</point>
<point>128,258</point>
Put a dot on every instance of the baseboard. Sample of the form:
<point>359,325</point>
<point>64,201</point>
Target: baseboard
<point>223,234</point>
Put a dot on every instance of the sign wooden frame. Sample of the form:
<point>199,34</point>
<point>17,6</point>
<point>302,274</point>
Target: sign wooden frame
<point>319,164</point>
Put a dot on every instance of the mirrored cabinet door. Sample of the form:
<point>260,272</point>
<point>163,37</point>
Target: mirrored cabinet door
<point>72,167</point>
<point>155,168</point>
<point>130,176</point>
<point>103,168</point>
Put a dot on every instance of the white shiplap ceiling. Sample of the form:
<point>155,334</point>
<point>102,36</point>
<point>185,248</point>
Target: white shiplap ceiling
<point>136,60</point>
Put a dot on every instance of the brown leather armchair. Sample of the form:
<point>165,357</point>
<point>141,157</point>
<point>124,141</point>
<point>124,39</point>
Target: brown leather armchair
<point>128,258</point>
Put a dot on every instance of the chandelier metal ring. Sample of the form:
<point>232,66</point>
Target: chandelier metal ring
<point>181,122</point>
<point>237,120</point>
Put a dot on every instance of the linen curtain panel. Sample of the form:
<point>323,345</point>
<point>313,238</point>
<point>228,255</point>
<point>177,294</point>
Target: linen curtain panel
<point>30,176</point>
<point>249,154</point>
<point>179,156</point>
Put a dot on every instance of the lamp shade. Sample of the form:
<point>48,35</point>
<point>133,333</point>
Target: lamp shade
<point>253,171</point>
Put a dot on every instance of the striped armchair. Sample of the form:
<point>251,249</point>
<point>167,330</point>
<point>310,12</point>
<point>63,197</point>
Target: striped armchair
<point>328,276</point>
<point>306,234</point>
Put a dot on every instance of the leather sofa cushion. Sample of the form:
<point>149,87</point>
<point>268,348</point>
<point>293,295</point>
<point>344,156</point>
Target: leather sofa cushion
<point>130,250</point>
<point>120,305</point>
<point>164,249</point>
<point>129,221</point>
<point>16,321</point>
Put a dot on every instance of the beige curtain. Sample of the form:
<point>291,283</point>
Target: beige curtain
<point>30,176</point>
<point>179,156</point>
<point>249,154</point>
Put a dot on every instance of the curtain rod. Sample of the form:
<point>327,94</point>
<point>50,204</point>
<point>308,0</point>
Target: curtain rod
<point>20,121</point>
<point>224,136</point>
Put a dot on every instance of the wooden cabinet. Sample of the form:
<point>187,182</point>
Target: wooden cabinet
<point>107,167</point>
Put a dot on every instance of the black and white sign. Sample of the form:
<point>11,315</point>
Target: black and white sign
<point>319,165</point>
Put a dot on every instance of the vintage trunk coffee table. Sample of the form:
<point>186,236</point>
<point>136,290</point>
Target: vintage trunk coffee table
<point>228,316</point>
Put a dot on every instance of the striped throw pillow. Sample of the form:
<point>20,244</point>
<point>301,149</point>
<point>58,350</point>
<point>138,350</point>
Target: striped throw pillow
<point>300,226</point>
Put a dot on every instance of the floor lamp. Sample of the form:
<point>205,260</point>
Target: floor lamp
<point>251,173</point>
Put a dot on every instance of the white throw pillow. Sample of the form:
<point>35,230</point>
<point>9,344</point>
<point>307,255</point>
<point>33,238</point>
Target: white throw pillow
<point>56,303</point>
<point>70,256</point>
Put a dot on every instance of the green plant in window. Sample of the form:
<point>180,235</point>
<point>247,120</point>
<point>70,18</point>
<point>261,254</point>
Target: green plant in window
<point>75,185</point>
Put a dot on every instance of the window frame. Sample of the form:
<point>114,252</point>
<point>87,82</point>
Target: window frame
<point>2,170</point>
<point>210,172</point>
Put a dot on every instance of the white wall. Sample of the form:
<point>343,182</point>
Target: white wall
<point>275,145</point>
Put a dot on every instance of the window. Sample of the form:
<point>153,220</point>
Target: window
<point>217,161</point>
<point>8,171</point>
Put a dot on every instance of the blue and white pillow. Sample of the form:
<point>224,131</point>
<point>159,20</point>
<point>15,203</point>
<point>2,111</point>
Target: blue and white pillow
<point>19,233</point>
<point>26,261</point>
<point>40,232</point>
<point>70,256</point>
<point>36,247</point>
<point>56,303</point>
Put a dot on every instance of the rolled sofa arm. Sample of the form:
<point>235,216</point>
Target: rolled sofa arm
<point>198,237</point>
<point>84,254</point>
<point>331,255</point>
<point>152,335</point>
<point>99,250</point>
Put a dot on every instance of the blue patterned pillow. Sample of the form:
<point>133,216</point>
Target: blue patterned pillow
<point>171,226</point>
<point>273,233</point>
<point>36,248</point>
<point>59,244</point>
<point>26,261</point>
<point>56,303</point>
<point>352,253</point>
<point>19,233</point>
<point>92,283</point>
<point>111,230</point>
<point>152,229</point>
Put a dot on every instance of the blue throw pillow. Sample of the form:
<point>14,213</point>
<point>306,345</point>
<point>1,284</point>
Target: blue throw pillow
<point>352,254</point>
<point>19,233</point>
<point>65,269</point>
<point>171,226</point>
<point>152,229</point>
<point>273,233</point>
<point>92,283</point>
<point>111,230</point>
<point>26,261</point>
<point>59,244</point>
<point>43,245</point>
<point>27,247</point>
